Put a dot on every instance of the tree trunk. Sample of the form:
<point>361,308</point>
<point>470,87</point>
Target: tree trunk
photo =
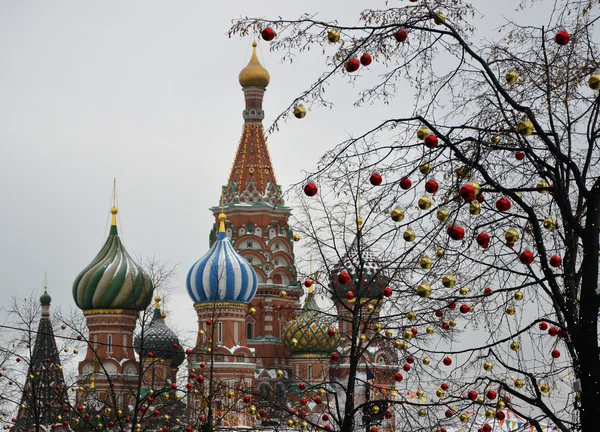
<point>586,333</point>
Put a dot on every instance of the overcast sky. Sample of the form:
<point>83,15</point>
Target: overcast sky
<point>146,92</point>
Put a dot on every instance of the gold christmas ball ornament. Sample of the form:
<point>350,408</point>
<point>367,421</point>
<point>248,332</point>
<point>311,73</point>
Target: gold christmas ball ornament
<point>370,308</point>
<point>422,412</point>
<point>442,215</point>
<point>480,400</point>
<point>510,310</point>
<point>397,214</point>
<point>449,281</point>
<point>282,294</point>
<point>279,373</point>
<point>549,224</point>
<point>429,330</point>
<point>524,127</point>
<point>252,410</point>
<point>252,310</point>
<point>452,323</point>
<point>426,361</point>
<point>63,326</point>
<point>422,133</point>
<point>464,291</point>
<point>409,235</point>
<point>489,413</point>
<point>515,346</point>
<point>389,334</point>
<point>439,18</point>
<point>511,236</point>
<point>542,187</point>
<point>518,296</point>
<point>545,388</point>
<point>411,316</point>
<point>488,366</point>
<point>511,77</point>
<point>440,393</point>
<point>425,168</point>
<point>423,290</point>
<point>299,112</point>
<point>377,327</point>
<point>407,334</point>
<point>424,203</point>
<point>594,81</point>
<point>519,383</point>
<point>464,417</point>
<point>440,253</point>
<point>294,342</point>
<point>119,412</point>
<point>375,409</point>
<point>475,208</point>
<point>230,394</point>
<point>463,172</point>
<point>296,237</point>
<point>333,36</point>
<point>420,393</point>
<point>75,351</point>
<point>496,139</point>
<point>425,262</point>
<point>500,405</point>
<point>401,345</point>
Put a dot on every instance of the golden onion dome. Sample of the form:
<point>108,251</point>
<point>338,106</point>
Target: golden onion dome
<point>254,74</point>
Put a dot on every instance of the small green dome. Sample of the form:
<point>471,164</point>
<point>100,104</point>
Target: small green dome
<point>45,298</point>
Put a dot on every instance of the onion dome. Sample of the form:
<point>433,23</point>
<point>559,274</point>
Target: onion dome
<point>254,74</point>
<point>364,263</point>
<point>113,280</point>
<point>45,298</point>
<point>309,333</point>
<point>158,339</point>
<point>222,274</point>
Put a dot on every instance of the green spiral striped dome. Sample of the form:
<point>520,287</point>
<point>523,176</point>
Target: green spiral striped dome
<point>113,280</point>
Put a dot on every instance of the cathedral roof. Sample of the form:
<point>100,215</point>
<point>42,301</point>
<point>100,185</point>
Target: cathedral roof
<point>254,74</point>
<point>222,275</point>
<point>158,338</point>
<point>113,280</point>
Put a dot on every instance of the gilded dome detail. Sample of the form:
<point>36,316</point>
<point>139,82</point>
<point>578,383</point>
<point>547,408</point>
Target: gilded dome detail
<point>254,74</point>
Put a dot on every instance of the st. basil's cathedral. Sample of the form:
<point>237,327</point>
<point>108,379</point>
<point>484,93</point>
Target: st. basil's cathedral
<point>257,347</point>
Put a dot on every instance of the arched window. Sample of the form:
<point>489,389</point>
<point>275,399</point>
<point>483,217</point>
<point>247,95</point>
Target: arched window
<point>109,344</point>
<point>249,331</point>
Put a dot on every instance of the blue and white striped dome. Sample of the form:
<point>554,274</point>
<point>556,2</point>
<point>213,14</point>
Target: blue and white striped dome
<point>222,275</point>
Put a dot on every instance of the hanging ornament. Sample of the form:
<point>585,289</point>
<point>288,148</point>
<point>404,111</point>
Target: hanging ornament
<point>511,77</point>
<point>308,283</point>
<point>549,224</point>
<point>432,186</point>
<point>397,214</point>
<point>562,37</point>
<point>542,187</point>
<point>555,353</point>
<point>510,310</point>
<point>268,34</point>
<point>405,183</point>
<point>409,235</point>
<point>440,393</point>
<point>425,168</point>
<point>344,277</point>
<point>487,291</point>
<point>439,18</point>
<point>555,261</point>
<point>475,208</point>
<point>511,236</point>
<point>524,127</point>
<point>423,290</point>
<point>310,188</point>
<point>422,133</point>
<point>503,204</point>
<point>299,112</point>
<point>333,36</point>
<point>352,65</point>
<point>439,253</point>
<point>398,377</point>
<point>472,395</point>
<point>455,232</point>
<point>424,203</point>
<point>447,361</point>
<point>483,240</point>
<point>526,257</point>
<point>594,81</point>
<point>449,281</point>
<point>488,366</point>
<point>425,262</point>
<point>376,179</point>
<point>467,192</point>
<point>519,155</point>
<point>515,346</point>
<point>518,296</point>
<point>543,326</point>
<point>442,215</point>
<point>400,35</point>
<point>387,292</point>
<point>491,395</point>
<point>431,141</point>
<point>365,59</point>
<point>464,309</point>
<point>296,237</point>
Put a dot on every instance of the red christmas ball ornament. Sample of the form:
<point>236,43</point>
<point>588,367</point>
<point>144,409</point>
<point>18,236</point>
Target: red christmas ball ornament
<point>526,257</point>
<point>262,413</point>
<point>308,283</point>
<point>156,412</point>
<point>552,331</point>
<point>375,179</point>
<point>352,65</point>
<point>555,353</point>
<point>331,332</point>
<point>555,261</point>
<point>79,337</point>
<point>431,141</point>
<point>208,322</point>
<point>175,346</point>
<point>365,59</point>
<point>388,415</point>
<point>506,399</point>
<point>150,354</point>
<point>327,427</point>
<point>405,183</point>
<point>303,401</point>
<point>444,387</point>
<point>446,325</point>
<point>447,361</point>
<point>335,357</point>
<point>488,291</point>
<point>174,386</point>
<point>491,395</point>
<point>452,304</point>
<point>318,400</point>
<point>480,198</point>
<point>387,292</point>
<point>467,192</point>
<point>472,395</point>
<point>247,399</point>
<point>464,309</point>
<point>414,331</point>
<point>432,186</point>
<point>503,204</point>
<point>202,365</point>
<point>406,367</point>
<point>562,37</point>
<point>519,155</point>
<point>483,240</point>
<point>189,386</point>
<point>373,429</point>
<point>344,278</point>
<point>200,379</point>
<point>400,35</point>
<point>500,415</point>
<point>325,417</point>
<point>349,295</point>
<point>439,314</point>
<point>268,34</point>
<point>543,326</point>
<point>410,359</point>
<point>18,359</point>
<point>188,352</point>
<point>301,386</point>
<point>456,233</point>
<point>486,428</point>
<point>398,377</point>
<point>449,413</point>
<point>310,188</point>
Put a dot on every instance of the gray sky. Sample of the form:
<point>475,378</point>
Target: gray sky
<point>146,92</point>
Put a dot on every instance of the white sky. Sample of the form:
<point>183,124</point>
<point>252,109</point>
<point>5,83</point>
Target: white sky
<point>146,92</point>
